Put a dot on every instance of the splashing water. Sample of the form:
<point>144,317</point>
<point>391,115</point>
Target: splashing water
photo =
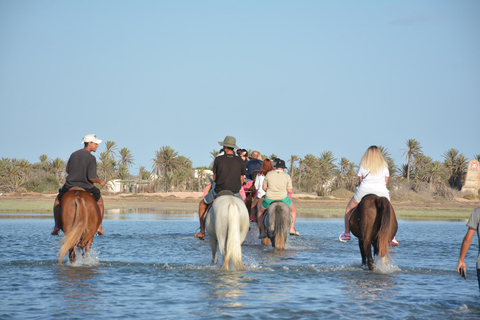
<point>88,259</point>
<point>385,265</point>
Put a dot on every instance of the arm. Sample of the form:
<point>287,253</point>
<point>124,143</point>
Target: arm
<point>97,180</point>
<point>467,240</point>
<point>386,181</point>
<point>289,191</point>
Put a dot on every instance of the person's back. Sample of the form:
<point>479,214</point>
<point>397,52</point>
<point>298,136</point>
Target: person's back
<point>254,164</point>
<point>80,168</point>
<point>277,183</point>
<point>228,169</point>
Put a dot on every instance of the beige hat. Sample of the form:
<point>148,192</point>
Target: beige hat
<point>229,141</point>
<point>91,138</point>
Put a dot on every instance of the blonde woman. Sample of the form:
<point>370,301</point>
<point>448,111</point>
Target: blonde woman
<point>373,175</point>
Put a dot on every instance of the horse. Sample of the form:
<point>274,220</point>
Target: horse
<point>227,224</point>
<point>277,221</point>
<point>251,193</point>
<point>80,219</point>
<point>374,223</point>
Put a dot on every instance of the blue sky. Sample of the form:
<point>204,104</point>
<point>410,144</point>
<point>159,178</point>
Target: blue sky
<point>283,77</point>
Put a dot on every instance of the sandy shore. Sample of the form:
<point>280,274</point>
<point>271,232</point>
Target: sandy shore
<point>307,205</point>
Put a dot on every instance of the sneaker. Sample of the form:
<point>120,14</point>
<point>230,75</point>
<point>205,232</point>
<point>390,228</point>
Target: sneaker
<point>394,242</point>
<point>344,237</point>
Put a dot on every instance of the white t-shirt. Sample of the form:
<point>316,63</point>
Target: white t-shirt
<point>373,181</point>
<point>259,185</point>
<point>372,184</point>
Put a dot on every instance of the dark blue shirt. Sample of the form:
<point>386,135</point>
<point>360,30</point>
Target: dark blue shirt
<point>252,165</point>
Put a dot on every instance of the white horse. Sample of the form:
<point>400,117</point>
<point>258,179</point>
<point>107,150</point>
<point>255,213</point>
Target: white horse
<point>277,221</point>
<point>227,224</point>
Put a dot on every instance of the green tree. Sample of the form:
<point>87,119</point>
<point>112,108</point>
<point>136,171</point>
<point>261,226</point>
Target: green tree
<point>392,168</point>
<point>123,172</point>
<point>126,157</point>
<point>413,148</point>
<point>106,166</point>
<point>456,164</point>
<point>57,167</point>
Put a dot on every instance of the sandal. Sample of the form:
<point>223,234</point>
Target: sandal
<point>295,233</point>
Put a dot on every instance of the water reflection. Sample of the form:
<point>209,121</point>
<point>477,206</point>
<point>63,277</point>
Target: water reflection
<point>148,214</point>
<point>78,287</point>
<point>226,289</point>
<point>370,286</point>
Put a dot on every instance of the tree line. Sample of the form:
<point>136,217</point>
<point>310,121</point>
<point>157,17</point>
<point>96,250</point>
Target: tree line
<point>171,171</point>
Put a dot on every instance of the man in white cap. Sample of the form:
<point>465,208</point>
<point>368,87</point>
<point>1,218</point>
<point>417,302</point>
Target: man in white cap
<point>82,172</point>
<point>228,174</point>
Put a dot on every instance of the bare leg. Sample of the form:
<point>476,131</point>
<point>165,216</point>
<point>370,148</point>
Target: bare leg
<point>293,212</point>
<point>202,208</point>
<point>56,216</point>
<point>351,205</point>
<point>102,209</point>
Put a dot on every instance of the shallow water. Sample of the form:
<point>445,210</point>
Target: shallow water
<point>149,266</point>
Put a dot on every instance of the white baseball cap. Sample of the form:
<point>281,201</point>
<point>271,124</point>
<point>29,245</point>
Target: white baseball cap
<point>91,138</point>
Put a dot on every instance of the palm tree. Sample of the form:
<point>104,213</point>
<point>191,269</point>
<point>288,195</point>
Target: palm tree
<point>413,148</point>
<point>434,172</point>
<point>165,160</point>
<point>477,157</point>
<point>58,166</point>
<point>111,149</point>
<point>123,171</point>
<point>293,159</point>
<point>392,168</point>
<point>107,165</point>
<point>456,164</point>
<point>126,157</point>
<point>24,168</point>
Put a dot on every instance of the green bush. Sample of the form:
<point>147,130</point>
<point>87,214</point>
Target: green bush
<point>48,183</point>
<point>469,196</point>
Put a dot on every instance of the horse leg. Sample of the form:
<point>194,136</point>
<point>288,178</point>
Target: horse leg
<point>362,252</point>
<point>72,255</point>
<point>213,246</point>
<point>368,252</point>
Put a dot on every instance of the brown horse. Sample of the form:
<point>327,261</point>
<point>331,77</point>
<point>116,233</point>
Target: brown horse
<point>374,223</point>
<point>80,219</point>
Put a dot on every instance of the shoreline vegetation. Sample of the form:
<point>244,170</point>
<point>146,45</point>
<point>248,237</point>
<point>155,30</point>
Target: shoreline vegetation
<point>308,205</point>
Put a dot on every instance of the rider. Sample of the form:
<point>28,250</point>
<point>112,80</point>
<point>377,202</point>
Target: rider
<point>228,175</point>
<point>473,225</point>
<point>278,187</point>
<point>266,168</point>
<point>373,176</point>
<point>82,172</point>
<point>254,164</point>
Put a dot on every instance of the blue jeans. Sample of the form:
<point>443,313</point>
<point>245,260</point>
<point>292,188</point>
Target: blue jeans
<point>211,195</point>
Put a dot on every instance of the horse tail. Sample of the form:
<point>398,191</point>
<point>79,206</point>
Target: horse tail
<point>384,233</point>
<point>78,228</point>
<point>281,228</point>
<point>233,247</point>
